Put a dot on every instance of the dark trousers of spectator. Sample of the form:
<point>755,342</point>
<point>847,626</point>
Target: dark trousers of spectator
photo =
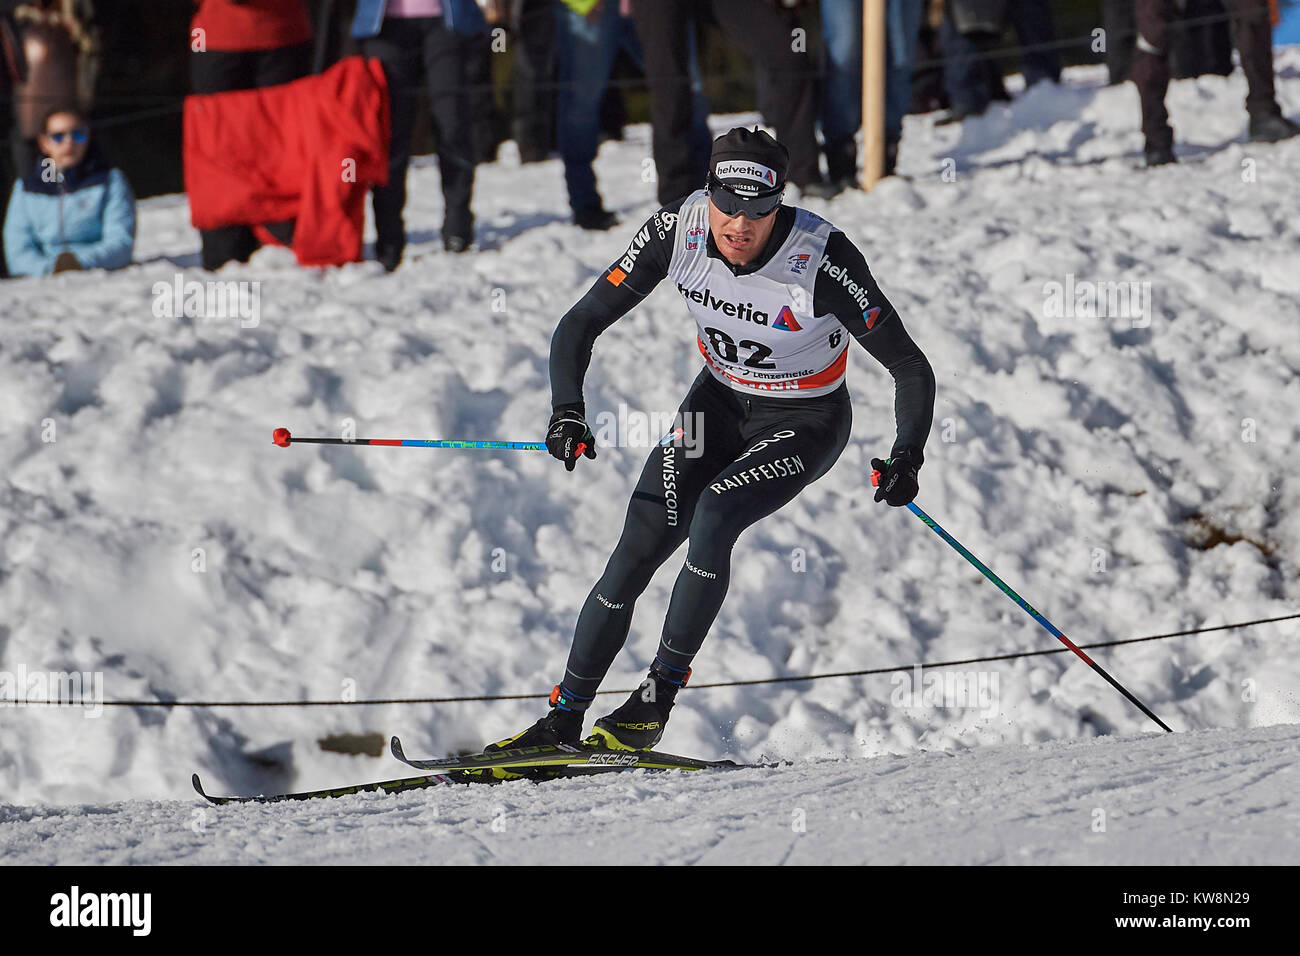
<point>17,156</point>
<point>217,71</point>
<point>970,75</point>
<point>485,117</point>
<point>1194,50</point>
<point>928,93</point>
<point>9,172</point>
<point>411,50</point>
<point>22,153</point>
<point>1118,19</point>
<point>786,96</point>
<point>1032,21</point>
<point>1150,72</point>
<point>533,73</point>
<point>1200,44</point>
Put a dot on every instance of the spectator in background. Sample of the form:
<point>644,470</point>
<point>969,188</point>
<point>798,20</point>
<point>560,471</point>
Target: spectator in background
<point>841,108</point>
<point>70,211</point>
<point>928,93</point>
<point>969,37</point>
<point>1150,73</point>
<point>1036,33</point>
<point>59,47</point>
<point>423,40</point>
<point>590,34</point>
<point>765,31</point>
<point>1199,38</point>
<point>242,45</point>
<point>533,72</point>
<point>13,71</point>
<point>487,124</point>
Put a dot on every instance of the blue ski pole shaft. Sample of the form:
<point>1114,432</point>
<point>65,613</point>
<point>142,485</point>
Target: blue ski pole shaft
<point>1025,606</point>
<point>282,438</point>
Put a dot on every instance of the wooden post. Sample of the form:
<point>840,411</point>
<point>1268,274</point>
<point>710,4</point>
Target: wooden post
<point>873,93</point>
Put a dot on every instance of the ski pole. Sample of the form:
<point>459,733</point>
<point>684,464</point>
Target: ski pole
<point>1051,629</point>
<point>282,438</point>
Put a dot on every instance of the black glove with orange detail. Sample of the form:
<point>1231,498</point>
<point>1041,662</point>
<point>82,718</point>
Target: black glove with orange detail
<point>895,478</point>
<point>567,436</point>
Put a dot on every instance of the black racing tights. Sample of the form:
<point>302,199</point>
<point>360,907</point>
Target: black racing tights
<point>752,456</point>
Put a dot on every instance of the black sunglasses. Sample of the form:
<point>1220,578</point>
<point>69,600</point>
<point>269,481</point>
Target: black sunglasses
<point>732,204</point>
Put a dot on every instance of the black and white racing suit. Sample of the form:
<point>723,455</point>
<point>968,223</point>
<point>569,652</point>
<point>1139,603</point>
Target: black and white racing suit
<point>771,403</point>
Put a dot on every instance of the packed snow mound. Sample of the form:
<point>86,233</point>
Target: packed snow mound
<point>1116,355</point>
<point>1202,797</point>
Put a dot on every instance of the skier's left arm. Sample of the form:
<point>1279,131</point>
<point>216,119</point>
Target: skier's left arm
<point>846,287</point>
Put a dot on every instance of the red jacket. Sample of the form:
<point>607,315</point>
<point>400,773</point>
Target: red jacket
<point>308,150</point>
<point>251,25</point>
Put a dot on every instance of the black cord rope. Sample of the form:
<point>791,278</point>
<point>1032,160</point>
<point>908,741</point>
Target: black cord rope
<point>734,683</point>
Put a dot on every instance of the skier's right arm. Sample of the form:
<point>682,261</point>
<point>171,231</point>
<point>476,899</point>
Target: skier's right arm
<point>568,437</point>
<point>627,281</point>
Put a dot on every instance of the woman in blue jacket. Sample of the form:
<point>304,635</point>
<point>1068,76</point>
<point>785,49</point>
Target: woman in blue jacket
<point>71,211</point>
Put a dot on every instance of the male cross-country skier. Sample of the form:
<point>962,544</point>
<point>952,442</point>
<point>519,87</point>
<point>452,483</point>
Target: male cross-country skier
<point>776,292</point>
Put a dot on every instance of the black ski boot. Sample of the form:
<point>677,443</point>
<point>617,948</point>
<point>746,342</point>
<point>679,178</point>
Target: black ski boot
<point>560,726</point>
<point>639,724</point>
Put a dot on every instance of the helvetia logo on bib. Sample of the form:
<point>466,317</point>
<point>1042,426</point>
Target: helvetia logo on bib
<point>786,322</point>
<point>736,310</point>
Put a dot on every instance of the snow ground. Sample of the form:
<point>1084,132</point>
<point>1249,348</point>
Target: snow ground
<point>1127,478</point>
<point>1203,797</point>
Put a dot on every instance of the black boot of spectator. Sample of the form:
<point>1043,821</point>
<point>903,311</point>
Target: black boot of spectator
<point>596,218</point>
<point>226,244</point>
<point>958,115</point>
<point>1160,148</point>
<point>821,189</point>
<point>842,162</point>
<point>458,230</point>
<point>1160,156</point>
<point>1271,128</point>
<point>389,254</point>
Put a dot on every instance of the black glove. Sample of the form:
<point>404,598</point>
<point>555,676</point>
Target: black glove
<point>568,437</point>
<point>895,479</point>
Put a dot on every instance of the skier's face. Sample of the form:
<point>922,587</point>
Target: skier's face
<point>65,139</point>
<point>739,238</point>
